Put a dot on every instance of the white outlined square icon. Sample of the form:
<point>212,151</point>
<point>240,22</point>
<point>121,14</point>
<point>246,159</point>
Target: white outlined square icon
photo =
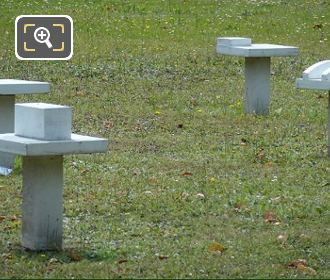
<point>43,37</point>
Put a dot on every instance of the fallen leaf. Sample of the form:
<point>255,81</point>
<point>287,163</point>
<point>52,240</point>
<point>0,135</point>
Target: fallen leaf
<point>244,142</point>
<point>282,237</point>
<point>79,93</point>
<point>83,171</point>
<point>295,263</point>
<point>237,207</point>
<point>200,195</point>
<point>163,257</point>
<point>184,195</point>
<point>268,164</point>
<point>153,180</point>
<point>261,155</point>
<point>271,218</point>
<point>2,218</point>
<point>180,125</point>
<point>306,270</point>
<point>122,261</point>
<point>278,111</point>
<point>7,256</point>
<point>186,174</point>
<point>275,199</point>
<point>136,171</point>
<point>318,26</point>
<point>302,266</point>
<point>216,247</point>
<point>304,236</point>
<point>53,260</point>
<point>74,255</point>
<point>107,124</point>
<point>13,218</point>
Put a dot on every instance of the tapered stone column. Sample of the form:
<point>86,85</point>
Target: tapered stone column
<point>257,85</point>
<point>42,202</point>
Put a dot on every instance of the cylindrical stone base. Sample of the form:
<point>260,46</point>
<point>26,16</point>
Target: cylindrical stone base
<point>257,85</point>
<point>42,202</point>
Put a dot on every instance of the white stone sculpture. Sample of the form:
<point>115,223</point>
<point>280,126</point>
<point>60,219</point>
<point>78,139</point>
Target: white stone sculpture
<point>8,89</point>
<point>257,68</point>
<point>42,136</point>
<point>317,76</point>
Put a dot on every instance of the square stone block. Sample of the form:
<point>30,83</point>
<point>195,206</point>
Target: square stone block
<point>234,41</point>
<point>43,121</point>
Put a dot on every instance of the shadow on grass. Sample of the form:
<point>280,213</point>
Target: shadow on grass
<point>67,255</point>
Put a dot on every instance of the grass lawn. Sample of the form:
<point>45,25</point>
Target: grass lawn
<point>191,186</point>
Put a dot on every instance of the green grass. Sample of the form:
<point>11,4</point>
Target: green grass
<point>145,75</point>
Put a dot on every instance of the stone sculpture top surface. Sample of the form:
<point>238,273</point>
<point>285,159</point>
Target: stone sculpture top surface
<point>316,76</point>
<point>239,46</point>
<point>13,87</point>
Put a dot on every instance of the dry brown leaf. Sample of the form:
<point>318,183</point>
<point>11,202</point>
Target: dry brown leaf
<point>271,218</point>
<point>244,142</point>
<point>318,26</point>
<point>74,255</point>
<point>79,93</point>
<point>2,218</point>
<point>13,218</point>
<point>302,266</point>
<point>163,257</point>
<point>186,174</point>
<point>108,124</point>
<point>261,155</point>
<point>295,263</point>
<point>216,247</point>
<point>306,270</point>
<point>269,164</point>
<point>153,181</point>
<point>82,172</point>
<point>122,261</point>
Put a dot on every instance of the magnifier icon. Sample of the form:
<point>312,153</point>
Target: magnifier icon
<point>41,35</point>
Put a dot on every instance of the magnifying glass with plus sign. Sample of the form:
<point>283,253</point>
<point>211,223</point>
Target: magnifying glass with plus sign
<point>41,35</point>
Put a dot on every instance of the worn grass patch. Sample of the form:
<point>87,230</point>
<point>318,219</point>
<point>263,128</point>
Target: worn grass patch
<point>187,171</point>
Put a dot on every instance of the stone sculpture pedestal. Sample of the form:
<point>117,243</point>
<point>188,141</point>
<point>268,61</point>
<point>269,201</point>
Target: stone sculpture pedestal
<point>8,90</point>
<point>317,76</point>
<point>257,68</point>
<point>42,142</point>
